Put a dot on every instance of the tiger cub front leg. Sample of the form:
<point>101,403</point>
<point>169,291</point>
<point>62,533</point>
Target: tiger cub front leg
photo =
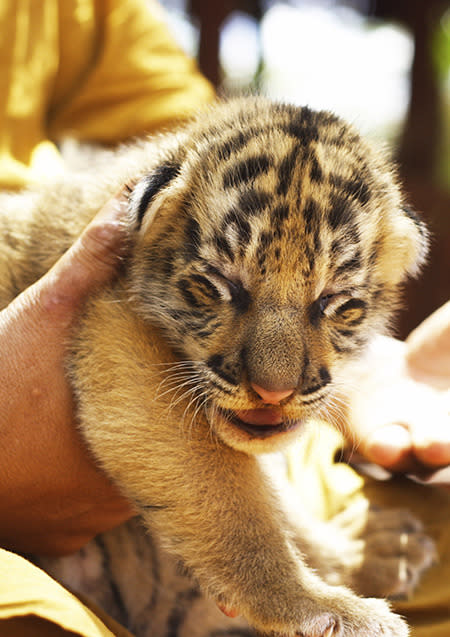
<point>231,535</point>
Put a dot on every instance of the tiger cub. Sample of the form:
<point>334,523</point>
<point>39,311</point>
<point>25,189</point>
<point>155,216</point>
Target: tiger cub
<point>267,246</point>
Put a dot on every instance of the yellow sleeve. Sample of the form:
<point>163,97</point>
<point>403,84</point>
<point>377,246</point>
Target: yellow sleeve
<point>31,603</point>
<point>98,70</point>
<point>140,81</point>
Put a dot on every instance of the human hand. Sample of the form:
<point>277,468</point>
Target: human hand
<point>53,497</point>
<point>398,415</point>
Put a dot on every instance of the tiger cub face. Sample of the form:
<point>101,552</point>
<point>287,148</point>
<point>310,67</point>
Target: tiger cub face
<point>270,244</point>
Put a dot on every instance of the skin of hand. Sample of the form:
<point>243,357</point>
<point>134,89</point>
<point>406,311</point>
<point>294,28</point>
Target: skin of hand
<point>398,415</point>
<point>53,498</point>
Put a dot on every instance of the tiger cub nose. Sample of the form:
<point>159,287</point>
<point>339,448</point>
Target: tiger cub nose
<point>271,397</point>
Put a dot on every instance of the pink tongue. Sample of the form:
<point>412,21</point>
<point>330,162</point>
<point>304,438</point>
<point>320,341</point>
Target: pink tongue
<point>263,417</point>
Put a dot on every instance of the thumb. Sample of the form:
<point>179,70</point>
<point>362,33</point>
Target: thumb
<point>90,262</point>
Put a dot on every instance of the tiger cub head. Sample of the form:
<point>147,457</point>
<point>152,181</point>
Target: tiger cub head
<point>270,243</point>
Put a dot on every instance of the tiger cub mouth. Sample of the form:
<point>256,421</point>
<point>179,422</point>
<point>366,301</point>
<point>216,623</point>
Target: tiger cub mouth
<point>260,423</point>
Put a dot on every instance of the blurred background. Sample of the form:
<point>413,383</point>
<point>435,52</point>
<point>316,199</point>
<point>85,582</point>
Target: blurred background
<point>383,65</point>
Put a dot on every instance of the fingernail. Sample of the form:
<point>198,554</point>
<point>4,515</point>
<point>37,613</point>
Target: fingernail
<point>113,211</point>
<point>387,444</point>
<point>434,452</point>
<point>109,225</point>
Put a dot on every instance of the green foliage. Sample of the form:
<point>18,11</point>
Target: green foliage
<point>441,46</point>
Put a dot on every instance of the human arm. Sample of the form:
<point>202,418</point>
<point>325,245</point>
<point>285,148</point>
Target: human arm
<point>100,71</point>
<point>53,498</point>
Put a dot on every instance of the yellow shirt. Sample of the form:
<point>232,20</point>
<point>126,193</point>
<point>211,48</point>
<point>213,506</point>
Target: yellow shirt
<point>98,70</point>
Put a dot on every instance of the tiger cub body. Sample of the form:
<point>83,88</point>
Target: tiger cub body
<point>267,246</point>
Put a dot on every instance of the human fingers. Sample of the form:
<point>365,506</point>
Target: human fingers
<point>91,261</point>
<point>390,446</point>
<point>377,419</point>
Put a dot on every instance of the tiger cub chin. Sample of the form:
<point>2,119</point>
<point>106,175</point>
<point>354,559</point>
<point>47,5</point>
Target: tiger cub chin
<point>267,243</point>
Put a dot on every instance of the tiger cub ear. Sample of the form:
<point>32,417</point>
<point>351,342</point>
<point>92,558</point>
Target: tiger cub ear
<point>142,212</point>
<point>405,246</point>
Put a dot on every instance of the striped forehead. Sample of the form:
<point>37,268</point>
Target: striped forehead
<point>271,174</point>
<point>309,152</point>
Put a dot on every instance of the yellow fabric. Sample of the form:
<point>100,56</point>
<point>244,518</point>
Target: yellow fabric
<point>27,593</point>
<point>326,485</point>
<point>99,70</point>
